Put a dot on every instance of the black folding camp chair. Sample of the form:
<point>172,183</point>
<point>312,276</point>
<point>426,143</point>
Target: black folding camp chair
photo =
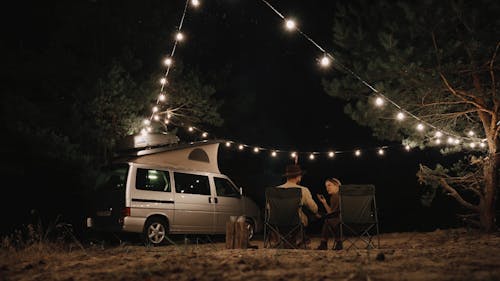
<point>358,215</point>
<point>282,218</point>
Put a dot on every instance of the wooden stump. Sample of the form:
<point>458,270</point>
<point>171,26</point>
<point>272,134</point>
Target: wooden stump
<point>236,233</point>
<point>241,234</point>
<point>230,225</point>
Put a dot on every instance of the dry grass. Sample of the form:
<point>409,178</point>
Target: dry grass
<point>439,255</point>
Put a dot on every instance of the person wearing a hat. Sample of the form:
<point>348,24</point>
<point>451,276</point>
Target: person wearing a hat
<point>293,174</point>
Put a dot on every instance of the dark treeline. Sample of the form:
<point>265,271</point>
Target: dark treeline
<point>78,76</point>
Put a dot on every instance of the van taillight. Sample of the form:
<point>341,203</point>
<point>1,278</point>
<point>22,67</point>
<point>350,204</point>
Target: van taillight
<point>126,212</point>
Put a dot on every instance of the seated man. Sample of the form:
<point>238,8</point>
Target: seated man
<point>293,174</point>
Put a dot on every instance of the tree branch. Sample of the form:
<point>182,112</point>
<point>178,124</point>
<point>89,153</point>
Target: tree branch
<point>492,74</point>
<point>443,103</point>
<point>456,195</point>
<point>426,175</point>
<point>438,59</point>
<point>460,94</point>
<point>450,115</point>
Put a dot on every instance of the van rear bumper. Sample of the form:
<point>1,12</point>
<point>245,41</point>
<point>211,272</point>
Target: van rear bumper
<point>98,224</point>
<point>133,224</point>
<point>129,224</point>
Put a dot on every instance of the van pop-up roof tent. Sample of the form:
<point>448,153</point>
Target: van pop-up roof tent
<point>165,150</point>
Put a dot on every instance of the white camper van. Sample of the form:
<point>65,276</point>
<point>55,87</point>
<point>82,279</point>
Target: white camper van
<point>174,189</point>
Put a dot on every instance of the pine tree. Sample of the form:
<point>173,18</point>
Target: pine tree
<point>438,60</point>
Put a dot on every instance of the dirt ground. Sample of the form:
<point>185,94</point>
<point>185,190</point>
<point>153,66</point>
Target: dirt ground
<point>454,254</point>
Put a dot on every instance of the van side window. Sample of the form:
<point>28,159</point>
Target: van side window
<point>225,188</point>
<point>152,180</point>
<point>192,184</point>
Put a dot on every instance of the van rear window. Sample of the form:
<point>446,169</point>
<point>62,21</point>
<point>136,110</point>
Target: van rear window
<point>152,180</point>
<point>112,177</point>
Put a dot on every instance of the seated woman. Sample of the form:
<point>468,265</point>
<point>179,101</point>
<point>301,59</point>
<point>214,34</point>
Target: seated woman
<point>332,218</point>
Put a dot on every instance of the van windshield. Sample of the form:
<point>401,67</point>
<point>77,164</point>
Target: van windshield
<point>113,177</point>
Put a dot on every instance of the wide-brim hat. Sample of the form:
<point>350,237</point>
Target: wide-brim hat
<point>293,171</point>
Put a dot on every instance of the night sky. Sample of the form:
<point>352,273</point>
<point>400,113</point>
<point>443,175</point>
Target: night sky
<point>272,92</point>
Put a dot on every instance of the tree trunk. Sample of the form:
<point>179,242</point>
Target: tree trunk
<point>487,207</point>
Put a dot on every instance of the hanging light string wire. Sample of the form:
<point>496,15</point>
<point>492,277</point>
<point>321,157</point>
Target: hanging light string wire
<point>172,53</point>
<point>363,81</point>
<point>228,143</point>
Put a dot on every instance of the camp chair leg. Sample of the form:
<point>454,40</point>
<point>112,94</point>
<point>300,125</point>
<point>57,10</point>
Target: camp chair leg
<point>283,238</point>
<point>364,236</point>
<point>378,238</point>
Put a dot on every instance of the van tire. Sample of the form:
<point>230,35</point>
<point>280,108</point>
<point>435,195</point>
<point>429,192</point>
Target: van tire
<point>155,232</point>
<point>251,228</point>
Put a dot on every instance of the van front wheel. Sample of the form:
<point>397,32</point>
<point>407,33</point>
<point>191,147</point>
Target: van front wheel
<point>155,232</point>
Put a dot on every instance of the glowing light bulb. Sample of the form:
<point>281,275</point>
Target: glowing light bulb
<point>273,154</point>
<point>168,61</point>
<point>204,135</point>
<point>331,154</point>
<point>162,97</point>
<point>255,149</point>
<point>457,141</point>
<point>163,81</point>
<point>357,152</point>
<point>381,151</point>
<point>228,143</point>
<point>311,156</point>
<point>290,24</point>
<point>195,3</point>
<point>472,145</point>
<point>167,121</point>
<point>471,133</point>
<point>149,129</point>
<point>400,116</point>
<point>169,115</point>
<point>407,147</point>
<point>438,141</point>
<point>293,154</point>
<point>438,134</point>
<point>482,145</point>
<point>379,101</point>
<point>146,122</point>
<point>144,132</point>
<point>156,117</point>
<point>325,61</point>
<point>420,127</point>
<point>179,36</point>
<point>451,140</point>
<point>240,147</point>
<point>155,108</point>
<point>190,129</point>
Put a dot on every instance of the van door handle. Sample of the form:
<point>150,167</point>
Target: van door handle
<point>216,201</point>
<point>210,200</point>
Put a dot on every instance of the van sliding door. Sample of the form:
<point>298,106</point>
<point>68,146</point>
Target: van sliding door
<point>194,208</point>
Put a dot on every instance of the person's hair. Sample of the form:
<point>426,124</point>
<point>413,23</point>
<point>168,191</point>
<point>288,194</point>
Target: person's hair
<point>334,180</point>
<point>292,177</point>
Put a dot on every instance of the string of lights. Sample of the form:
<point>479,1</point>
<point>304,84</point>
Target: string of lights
<point>294,154</point>
<point>325,61</point>
<point>168,62</point>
